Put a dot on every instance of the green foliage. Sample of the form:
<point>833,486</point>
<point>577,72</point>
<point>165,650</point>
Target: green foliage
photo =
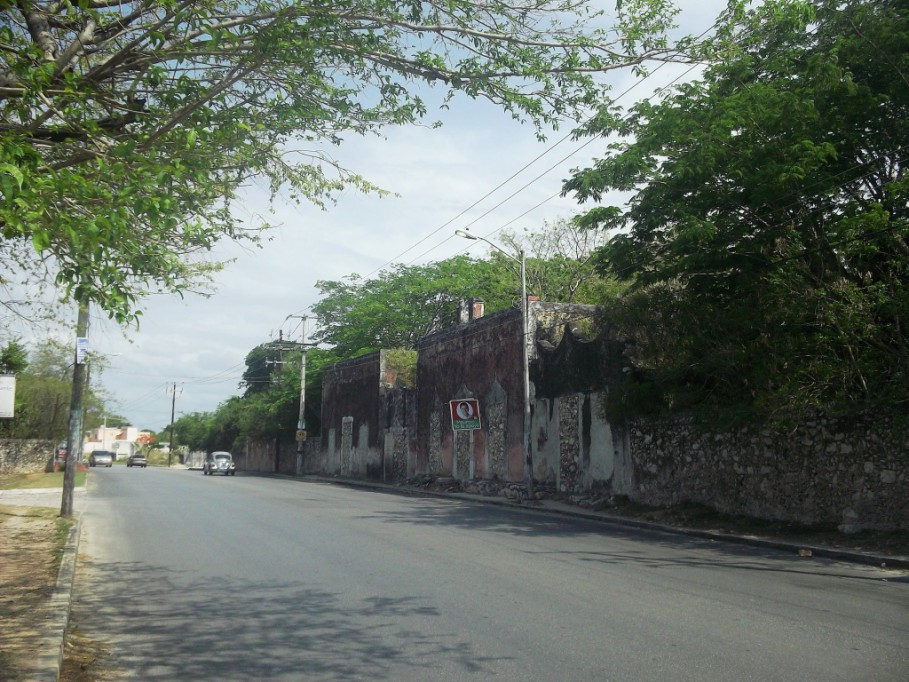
<point>13,357</point>
<point>43,391</point>
<point>259,364</point>
<point>401,305</point>
<point>402,364</point>
<point>126,129</point>
<point>767,234</point>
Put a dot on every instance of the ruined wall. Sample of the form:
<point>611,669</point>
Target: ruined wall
<point>24,456</point>
<point>478,360</point>
<point>350,415</point>
<point>852,473</point>
<point>576,449</point>
<point>366,416</point>
<point>572,445</point>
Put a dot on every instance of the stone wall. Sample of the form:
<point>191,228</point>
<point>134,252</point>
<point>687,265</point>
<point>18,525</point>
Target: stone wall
<point>482,360</point>
<point>24,456</point>
<point>279,457</point>
<point>850,473</point>
<point>366,419</point>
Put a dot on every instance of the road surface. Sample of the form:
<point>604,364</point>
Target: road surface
<point>191,577</point>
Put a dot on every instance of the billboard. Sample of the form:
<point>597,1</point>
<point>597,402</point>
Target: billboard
<point>465,414</point>
<point>7,396</point>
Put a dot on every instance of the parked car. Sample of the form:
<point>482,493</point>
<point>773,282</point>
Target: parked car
<point>137,460</point>
<point>219,463</point>
<point>101,458</point>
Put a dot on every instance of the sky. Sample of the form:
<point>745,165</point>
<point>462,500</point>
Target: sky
<point>188,354</point>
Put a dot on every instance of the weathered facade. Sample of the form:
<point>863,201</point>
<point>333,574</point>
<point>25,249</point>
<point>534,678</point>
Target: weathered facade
<point>365,419</point>
<point>854,474</point>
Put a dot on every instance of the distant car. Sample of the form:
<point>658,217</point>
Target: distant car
<point>101,458</point>
<point>219,463</point>
<point>137,460</point>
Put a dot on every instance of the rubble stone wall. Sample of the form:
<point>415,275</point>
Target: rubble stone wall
<point>24,456</point>
<point>852,473</point>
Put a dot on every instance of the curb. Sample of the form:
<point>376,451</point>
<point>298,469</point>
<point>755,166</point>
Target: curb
<point>50,659</point>
<point>879,561</point>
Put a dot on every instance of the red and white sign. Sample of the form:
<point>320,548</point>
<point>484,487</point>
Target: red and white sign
<point>465,414</point>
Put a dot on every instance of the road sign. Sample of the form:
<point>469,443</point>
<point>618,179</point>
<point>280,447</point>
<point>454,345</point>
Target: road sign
<point>465,414</point>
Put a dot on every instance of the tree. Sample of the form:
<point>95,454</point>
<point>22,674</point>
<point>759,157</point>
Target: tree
<point>13,357</point>
<point>767,233</point>
<point>401,305</point>
<point>42,394</point>
<point>560,266</point>
<point>259,365</point>
<point>126,128</point>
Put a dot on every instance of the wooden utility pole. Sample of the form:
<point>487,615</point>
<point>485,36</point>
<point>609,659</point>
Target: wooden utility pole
<point>74,435</point>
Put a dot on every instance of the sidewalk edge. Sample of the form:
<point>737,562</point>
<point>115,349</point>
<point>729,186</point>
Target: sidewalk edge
<point>50,659</point>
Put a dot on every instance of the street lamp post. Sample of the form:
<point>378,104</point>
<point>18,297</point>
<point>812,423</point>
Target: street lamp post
<point>525,355</point>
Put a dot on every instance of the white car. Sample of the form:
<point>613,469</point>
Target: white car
<point>219,463</point>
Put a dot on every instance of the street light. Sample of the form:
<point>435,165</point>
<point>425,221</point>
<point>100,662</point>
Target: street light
<point>525,325</point>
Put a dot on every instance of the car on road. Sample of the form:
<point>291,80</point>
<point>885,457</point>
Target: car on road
<point>137,460</point>
<point>219,463</point>
<point>101,458</point>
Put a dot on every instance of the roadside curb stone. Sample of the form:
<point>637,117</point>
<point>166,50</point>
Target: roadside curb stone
<point>50,659</point>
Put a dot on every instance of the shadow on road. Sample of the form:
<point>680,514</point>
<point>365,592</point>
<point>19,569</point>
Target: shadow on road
<point>180,626</point>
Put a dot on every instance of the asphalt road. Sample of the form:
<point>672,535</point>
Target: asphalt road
<point>190,577</point>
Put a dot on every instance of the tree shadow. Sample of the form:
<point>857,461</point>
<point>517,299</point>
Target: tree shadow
<point>176,625</point>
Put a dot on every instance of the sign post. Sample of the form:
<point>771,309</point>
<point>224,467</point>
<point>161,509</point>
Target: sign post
<point>465,414</point>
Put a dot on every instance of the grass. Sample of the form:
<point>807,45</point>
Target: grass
<point>38,480</point>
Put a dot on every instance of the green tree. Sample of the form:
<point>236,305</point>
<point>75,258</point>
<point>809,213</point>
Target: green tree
<point>13,357</point>
<point>194,430</point>
<point>260,363</point>
<point>400,305</point>
<point>560,262</point>
<point>767,233</point>
<point>126,128</point>
<point>42,394</point>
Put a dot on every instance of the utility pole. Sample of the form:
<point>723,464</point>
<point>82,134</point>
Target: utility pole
<point>301,419</point>
<point>74,435</point>
<point>173,406</point>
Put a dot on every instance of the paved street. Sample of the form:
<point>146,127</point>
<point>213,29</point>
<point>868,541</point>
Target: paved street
<point>189,577</point>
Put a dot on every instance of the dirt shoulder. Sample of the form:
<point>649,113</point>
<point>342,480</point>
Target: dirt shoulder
<point>33,539</point>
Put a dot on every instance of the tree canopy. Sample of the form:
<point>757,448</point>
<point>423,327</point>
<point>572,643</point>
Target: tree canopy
<point>767,233</point>
<point>126,128</point>
<point>43,389</point>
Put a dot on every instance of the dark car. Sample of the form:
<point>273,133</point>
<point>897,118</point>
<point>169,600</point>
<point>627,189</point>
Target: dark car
<point>219,463</point>
<point>101,458</point>
<point>137,460</point>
